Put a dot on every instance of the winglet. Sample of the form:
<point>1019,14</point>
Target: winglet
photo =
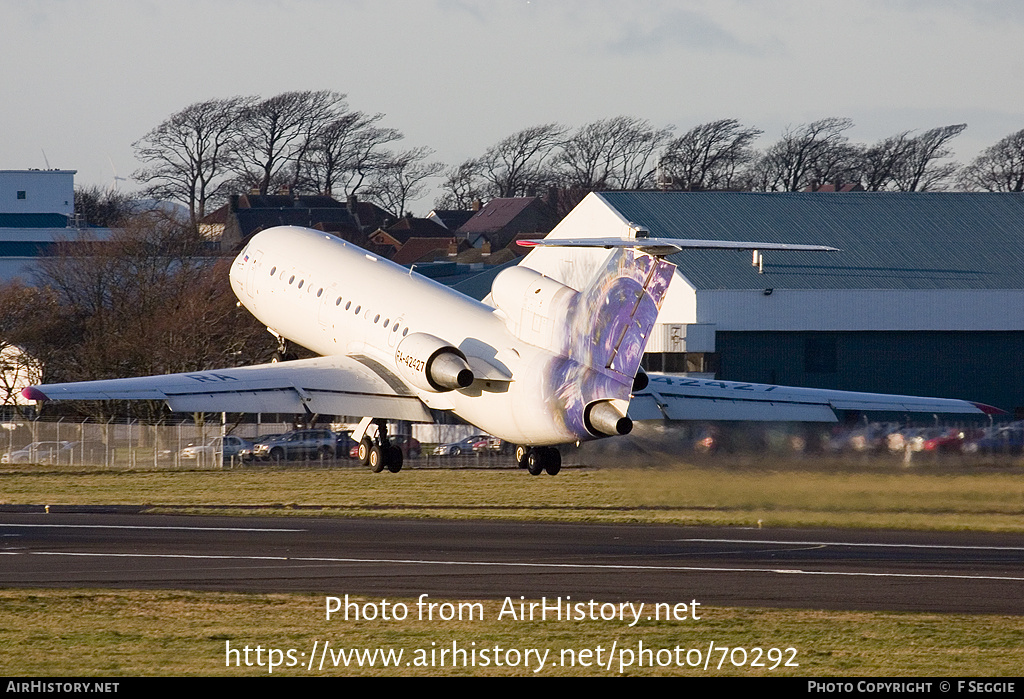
<point>33,393</point>
<point>989,409</point>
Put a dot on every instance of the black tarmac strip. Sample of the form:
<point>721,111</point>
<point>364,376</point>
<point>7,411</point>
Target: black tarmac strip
<point>117,547</point>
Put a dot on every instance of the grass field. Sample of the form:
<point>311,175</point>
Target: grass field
<point>136,633</point>
<point>129,633</point>
<point>721,494</point>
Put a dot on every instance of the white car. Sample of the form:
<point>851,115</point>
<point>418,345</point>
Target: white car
<point>33,453</point>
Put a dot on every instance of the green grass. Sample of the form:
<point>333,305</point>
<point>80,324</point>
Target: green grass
<point>138,633</point>
<point>719,494</point>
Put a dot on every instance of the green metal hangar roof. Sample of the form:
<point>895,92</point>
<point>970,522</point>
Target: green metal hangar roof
<point>908,261</point>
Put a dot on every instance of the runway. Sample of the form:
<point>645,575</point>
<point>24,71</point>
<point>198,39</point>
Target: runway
<point>816,569</point>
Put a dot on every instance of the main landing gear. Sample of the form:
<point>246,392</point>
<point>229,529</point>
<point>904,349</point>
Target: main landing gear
<point>378,452</point>
<point>539,459</point>
<point>284,352</point>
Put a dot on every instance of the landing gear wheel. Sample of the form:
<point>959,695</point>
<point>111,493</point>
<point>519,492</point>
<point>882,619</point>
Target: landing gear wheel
<point>363,453</point>
<point>535,461</point>
<point>553,462</point>
<point>394,459</point>
<point>376,461</point>
<point>521,454</point>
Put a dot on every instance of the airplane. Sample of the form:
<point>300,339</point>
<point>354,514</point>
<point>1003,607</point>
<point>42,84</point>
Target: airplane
<point>538,363</point>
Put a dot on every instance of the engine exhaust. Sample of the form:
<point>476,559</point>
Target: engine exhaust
<point>603,418</point>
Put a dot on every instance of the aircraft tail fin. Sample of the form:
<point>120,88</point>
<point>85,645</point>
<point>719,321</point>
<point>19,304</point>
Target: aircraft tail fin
<point>611,320</point>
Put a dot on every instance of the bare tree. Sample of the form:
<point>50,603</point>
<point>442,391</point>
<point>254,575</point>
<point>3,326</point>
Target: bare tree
<point>274,136</point>
<point>806,157</point>
<point>346,151</point>
<point>611,154</point>
<point>462,185</point>
<point>190,154</point>
<point>918,171</point>
<point>519,164</point>
<point>103,207</point>
<point>880,163</point>
<point>709,156</point>
<point>402,178</point>
<point>1000,168</point>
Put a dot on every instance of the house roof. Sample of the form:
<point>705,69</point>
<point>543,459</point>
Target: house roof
<point>419,249</point>
<point>450,218</point>
<point>496,214</point>
<point>252,220</point>
<point>406,228</point>
<point>887,240</point>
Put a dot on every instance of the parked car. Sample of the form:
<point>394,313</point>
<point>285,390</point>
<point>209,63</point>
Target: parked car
<point>32,453</point>
<point>229,447</point>
<point>344,443</point>
<point>491,445</point>
<point>952,440</point>
<point>410,447</point>
<point>298,444</point>
<point>247,453</point>
<point>78,452</point>
<point>998,439</point>
<point>463,446</point>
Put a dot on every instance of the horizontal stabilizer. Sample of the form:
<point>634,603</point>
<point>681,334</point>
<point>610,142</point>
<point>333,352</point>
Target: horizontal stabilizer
<point>669,246</point>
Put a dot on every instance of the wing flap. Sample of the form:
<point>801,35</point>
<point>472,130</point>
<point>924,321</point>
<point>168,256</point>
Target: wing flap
<point>325,385</point>
<point>684,398</point>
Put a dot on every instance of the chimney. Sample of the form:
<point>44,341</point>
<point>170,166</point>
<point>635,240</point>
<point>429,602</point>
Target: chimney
<point>477,204</point>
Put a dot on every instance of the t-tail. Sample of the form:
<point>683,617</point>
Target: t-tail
<point>599,332</point>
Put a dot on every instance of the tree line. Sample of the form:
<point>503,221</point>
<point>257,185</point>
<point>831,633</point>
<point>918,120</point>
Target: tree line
<point>308,142</point>
<point>312,142</point>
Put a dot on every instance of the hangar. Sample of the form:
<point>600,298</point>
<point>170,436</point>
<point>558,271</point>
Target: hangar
<point>925,297</point>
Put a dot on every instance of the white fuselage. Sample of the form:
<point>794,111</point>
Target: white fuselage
<point>336,298</point>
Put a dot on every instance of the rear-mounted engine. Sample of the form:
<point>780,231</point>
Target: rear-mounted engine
<point>432,364</point>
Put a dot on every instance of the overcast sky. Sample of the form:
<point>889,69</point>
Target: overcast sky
<point>84,79</point>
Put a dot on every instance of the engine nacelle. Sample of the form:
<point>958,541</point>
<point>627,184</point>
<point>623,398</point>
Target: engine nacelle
<point>605,419</point>
<point>535,305</point>
<point>432,364</point>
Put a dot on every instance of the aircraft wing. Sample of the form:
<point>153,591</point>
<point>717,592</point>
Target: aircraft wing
<point>684,398</point>
<point>337,385</point>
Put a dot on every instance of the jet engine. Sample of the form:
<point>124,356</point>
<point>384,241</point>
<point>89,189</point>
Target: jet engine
<point>432,364</point>
<point>604,419</point>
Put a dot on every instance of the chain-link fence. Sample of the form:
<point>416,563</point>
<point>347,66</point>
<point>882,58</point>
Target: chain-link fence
<point>131,445</point>
<point>120,444</point>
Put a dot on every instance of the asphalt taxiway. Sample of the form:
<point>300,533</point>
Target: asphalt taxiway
<point>816,569</point>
